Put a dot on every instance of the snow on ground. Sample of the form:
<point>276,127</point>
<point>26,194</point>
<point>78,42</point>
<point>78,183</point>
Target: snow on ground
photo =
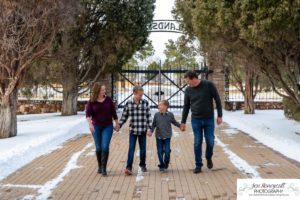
<point>21,186</point>
<point>176,134</point>
<point>167,179</point>
<point>46,190</point>
<point>230,131</point>
<point>269,127</point>
<point>139,176</point>
<point>28,197</point>
<point>37,135</point>
<point>238,162</point>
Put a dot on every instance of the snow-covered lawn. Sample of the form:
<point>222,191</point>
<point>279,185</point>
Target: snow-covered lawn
<point>269,127</point>
<point>38,134</point>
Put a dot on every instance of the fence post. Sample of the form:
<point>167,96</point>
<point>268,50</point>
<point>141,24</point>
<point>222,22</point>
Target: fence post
<point>159,83</point>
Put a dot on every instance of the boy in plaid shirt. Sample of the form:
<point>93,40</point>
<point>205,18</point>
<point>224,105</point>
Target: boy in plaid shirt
<point>140,124</point>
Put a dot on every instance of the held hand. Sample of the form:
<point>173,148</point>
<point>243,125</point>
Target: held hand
<point>149,133</point>
<point>182,127</point>
<point>116,130</point>
<point>219,120</point>
<point>117,127</point>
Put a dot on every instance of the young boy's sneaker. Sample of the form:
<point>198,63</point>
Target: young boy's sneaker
<point>144,169</point>
<point>128,172</point>
<point>162,170</point>
<point>197,170</point>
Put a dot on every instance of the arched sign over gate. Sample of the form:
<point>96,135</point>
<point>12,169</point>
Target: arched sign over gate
<point>172,26</point>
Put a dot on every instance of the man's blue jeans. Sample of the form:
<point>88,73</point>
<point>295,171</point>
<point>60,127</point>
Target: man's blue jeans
<point>132,143</point>
<point>207,126</point>
<point>163,151</point>
<point>102,137</point>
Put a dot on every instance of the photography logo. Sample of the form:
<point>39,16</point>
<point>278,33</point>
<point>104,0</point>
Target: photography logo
<point>281,189</point>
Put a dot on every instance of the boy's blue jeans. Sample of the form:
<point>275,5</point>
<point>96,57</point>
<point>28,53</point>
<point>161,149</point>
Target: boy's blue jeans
<point>207,126</point>
<point>132,143</point>
<point>163,151</point>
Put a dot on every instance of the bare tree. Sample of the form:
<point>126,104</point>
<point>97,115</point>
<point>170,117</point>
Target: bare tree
<point>27,29</point>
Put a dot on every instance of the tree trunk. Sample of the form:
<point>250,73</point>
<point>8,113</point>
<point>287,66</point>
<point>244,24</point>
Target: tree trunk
<point>70,97</point>
<point>8,116</point>
<point>249,107</point>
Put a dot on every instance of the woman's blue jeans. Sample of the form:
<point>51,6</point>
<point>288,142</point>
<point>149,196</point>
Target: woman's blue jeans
<point>102,137</point>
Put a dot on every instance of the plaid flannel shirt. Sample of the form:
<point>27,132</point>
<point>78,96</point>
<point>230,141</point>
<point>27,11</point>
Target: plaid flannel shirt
<point>140,116</point>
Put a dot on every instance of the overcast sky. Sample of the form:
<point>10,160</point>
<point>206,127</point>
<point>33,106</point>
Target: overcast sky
<point>162,11</point>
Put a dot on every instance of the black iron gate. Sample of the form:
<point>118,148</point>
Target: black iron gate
<point>167,84</point>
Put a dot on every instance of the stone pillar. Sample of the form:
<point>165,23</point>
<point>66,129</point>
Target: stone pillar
<point>107,81</point>
<point>216,63</point>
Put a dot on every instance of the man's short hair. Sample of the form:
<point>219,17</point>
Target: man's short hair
<point>191,75</point>
<point>165,102</point>
<point>137,88</point>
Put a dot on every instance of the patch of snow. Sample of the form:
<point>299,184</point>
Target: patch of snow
<point>46,190</point>
<point>269,164</point>
<point>269,127</point>
<point>238,162</point>
<point>167,179</point>
<point>28,197</point>
<point>139,176</point>
<point>91,153</point>
<point>249,146</point>
<point>176,134</point>
<point>21,186</point>
<point>230,131</point>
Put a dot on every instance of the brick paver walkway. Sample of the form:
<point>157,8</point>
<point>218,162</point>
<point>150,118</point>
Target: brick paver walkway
<point>70,172</point>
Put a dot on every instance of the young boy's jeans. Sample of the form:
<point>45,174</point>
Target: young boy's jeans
<point>163,151</point>
<point>142,143</point>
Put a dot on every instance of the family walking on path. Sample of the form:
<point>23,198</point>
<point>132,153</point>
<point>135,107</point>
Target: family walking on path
<point>199,96</point>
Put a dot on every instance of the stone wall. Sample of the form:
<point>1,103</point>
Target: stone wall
<point>258,105</point>
<point>37,107</point>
